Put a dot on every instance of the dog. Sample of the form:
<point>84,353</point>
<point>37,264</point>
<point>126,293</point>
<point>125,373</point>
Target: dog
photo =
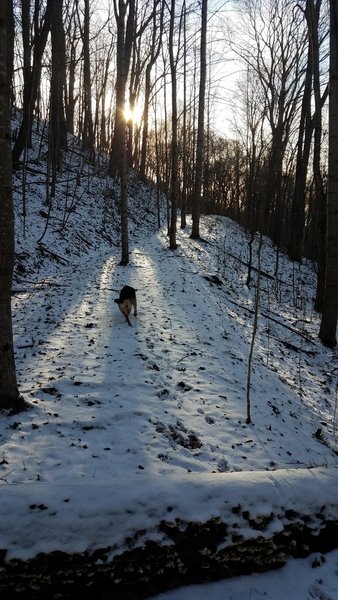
<point>127,301</point>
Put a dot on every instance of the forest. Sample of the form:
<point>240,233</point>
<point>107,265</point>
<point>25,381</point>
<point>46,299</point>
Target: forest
<point>189,149</point>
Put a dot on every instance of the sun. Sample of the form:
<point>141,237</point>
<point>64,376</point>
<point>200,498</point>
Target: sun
<point>135,114</point>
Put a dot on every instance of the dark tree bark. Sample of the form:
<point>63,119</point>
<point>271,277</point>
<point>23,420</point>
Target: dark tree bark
<point>103,131</point>
<point>57,122</point>
<point>88,131</point>
<point>328,325</point>
<point>174,137</point>
<point>10,53</point>
<point>25,20</point>
<point>9,394</point>
<point>297,222</point>
<point>125,21</point>
<point>32,83</point>
<point>157,32</point>
<point>123,171</point>
<point>196,201</point>
<point>184,124</point>
<point>72,40</point>
<point>319,188</point>
<point>133,129</point>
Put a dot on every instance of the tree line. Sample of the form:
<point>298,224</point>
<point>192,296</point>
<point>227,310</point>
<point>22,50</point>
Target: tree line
<point>86,68</point>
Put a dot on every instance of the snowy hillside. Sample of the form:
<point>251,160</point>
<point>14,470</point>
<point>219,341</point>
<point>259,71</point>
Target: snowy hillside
<point>131,425</point>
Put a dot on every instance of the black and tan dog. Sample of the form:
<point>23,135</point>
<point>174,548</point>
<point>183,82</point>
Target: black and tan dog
<point>126,301</point>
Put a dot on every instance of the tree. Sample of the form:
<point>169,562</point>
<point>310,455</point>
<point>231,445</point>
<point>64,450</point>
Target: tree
<point>174,136</point>
<point>88,131</point>
<point>57,121</point>
<point>271,38</point>
<point>310,126</point>
<point>155,47</point>
<point>71,43</point>
<point>328,325</point>
<point>9,394</point>
<point>319,186</point>
<point>32,82</point>
<point>184,124</point>
<point>125,22</point>
<point>10,48</point>
<point>297,222</point>
<point>196,204</point>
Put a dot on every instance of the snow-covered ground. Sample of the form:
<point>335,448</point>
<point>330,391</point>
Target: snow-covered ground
<point>312,578</point>
<point>125,421</point>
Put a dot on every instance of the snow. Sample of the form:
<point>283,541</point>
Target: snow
<point>313,578</point>
<point>131,425</point>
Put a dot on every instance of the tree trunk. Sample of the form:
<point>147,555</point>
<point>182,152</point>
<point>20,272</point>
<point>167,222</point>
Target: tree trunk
<point>328,325</point>
<point>57,122</point>
<point>9,394</point>
<point>297,221</point>
<point>88,131</point>
<point>125,36</point>
<point>196,201</point>
<point>174,141</point>
<point>118,157</point>
<point>184,124</point>
<point>123,172</point>
<point>71,42</point>
<point>10,51</point>
<point>145,122</point>
<point>31,94</point>
<point>320,192</point>
<point>26,47</point>
<point>155,50</point>
<point>103,132</point>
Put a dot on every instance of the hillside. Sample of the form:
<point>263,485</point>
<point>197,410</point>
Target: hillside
<point>137,435</point>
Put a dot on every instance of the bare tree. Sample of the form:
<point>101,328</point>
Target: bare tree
<point>184,124</point>
<point>271,42</point>
<point>9,393</point>
<point>297,223</point>
<point>328,326</point>
<point>103,69</point>
<point>155,47</point>
<point>310,129</point>
<point>125,22</point>
<point>72,38</point>
<point>57,121</point>
<point>254,333</point>
<point>319,186</point>
<point>88,131</point>
<point>174,129</point>
<point>196,201</point>
<point>10,47</point>
<point>32,82</point>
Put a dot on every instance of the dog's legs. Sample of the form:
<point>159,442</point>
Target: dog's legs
<point>128,320</point>
<point>135,307</point>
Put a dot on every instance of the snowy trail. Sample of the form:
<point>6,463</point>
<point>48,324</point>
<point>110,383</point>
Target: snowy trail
<point>164,396</point>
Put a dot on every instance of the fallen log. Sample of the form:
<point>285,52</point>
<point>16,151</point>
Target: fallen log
<point>231,524</point>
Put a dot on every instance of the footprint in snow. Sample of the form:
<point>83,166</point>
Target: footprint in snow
<point>163,394</point>
<point>184,386</point>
